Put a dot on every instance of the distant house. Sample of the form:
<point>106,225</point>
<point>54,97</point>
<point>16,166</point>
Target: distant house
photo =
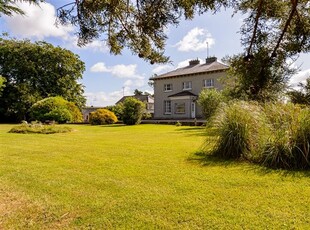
<point>147,99</point>
<point>176,92</point>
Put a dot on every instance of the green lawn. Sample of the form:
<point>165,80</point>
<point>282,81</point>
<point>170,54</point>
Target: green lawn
<point>140,177</point>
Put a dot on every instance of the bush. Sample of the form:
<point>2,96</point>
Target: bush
<point>57,109</point>
<point>289,145</point>
<point>117,110</point>
<point>39,128</point>
<point>133,111</point>
<point>239,126</point>
<point>209,100</point>
<point>102,117</point>
<point>275,135</point>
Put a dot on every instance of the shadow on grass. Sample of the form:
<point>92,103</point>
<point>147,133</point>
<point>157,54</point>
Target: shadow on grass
<point>204,159</point>
<point>198,131</point>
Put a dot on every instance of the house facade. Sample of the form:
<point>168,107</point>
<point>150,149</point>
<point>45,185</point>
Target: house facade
<point>176,92</point>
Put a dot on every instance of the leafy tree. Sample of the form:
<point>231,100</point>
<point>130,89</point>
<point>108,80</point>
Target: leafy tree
<point>34,71</point>
<point>117,110</point>
<point>209,100</point>
<point>301,96</point>
<point>140,25</point>
<point>137,92</point>
<point>2,83</point>
<point>133,111</point>
<point>8,7</point>
<point>56,109</point>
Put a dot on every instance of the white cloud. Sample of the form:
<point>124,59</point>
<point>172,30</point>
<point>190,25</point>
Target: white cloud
<point>99,68</point>
<point>195,40</point>
<point>38,22</point>
<point>300,77</point>
<point>96,45</point>
<point>162,68</point>
<point>120,71</point>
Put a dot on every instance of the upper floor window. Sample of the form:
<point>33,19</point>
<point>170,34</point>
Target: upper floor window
<point>187,85</point>
<point>167,87</point>
<point>208,83</point>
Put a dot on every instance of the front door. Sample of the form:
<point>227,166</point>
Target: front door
<point>193,110</point>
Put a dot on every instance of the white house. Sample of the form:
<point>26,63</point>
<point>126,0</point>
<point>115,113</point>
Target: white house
<point>176,92</point>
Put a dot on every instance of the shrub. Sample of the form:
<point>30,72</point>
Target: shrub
<point>117,110</point>
<point>57,109</point>
<point>209,100</point>
<point>133,111</point>
<point>102,117</point>
<point>39,128</point>
<point>239,126</point>
<point>288,147</point>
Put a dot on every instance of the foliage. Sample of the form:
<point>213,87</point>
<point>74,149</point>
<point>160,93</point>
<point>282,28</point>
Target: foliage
<point>140,26</point>
<point>288,146</point>
<point>57,109</point>
<point>102,117</point>
<point>133,111</point>
<point>117,110</point>
<point>301,96</point>
<point>34,71</point>
<point>2,83</point>
<point>240,127</point>
<point>8,7</point>
<point>209,100</point>
<point>275,135</point>
<point>137,92</point>
<point>257,79</point>
<point>39,128</point>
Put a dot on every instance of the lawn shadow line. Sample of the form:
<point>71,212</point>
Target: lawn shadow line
<point>204,159</point>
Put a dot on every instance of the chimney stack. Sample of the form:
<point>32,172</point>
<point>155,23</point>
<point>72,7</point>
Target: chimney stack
<point>209,60</point>
<point>194,62</point>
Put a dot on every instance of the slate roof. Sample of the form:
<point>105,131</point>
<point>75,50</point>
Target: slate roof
<point>183,93</point>
<point>194,69</point>
<point>142,98</point>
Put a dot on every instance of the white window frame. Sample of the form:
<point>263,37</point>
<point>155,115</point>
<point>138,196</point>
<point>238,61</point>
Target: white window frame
<point>167,107</point>
<point>168,87</point>
<point>208,83</point>
<point>187,85</point>
<point>176,110</point>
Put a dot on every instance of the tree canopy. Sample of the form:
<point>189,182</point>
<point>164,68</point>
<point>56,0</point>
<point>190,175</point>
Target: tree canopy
<point>273,32</point>
<point>34,71</point>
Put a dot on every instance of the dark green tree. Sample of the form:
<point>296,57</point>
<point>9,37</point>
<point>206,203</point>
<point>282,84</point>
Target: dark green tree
<point>301,96</point>
<point>55,109</point>
<point>133,110</point>
<point>137,92</point>
<point>8,7</point>
<point>34,71</point>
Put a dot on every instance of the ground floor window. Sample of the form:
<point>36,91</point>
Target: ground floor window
<point>167,107</point>
<point>179,107</point>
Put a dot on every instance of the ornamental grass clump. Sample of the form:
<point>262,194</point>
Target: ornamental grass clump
<point>240,127</point>
<point>288,146</point>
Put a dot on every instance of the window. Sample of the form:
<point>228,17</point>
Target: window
<point>167,87</point>
<point>167,108</point>
<point>208,83</point>
<point>179,107</point>
<point>187,85</point>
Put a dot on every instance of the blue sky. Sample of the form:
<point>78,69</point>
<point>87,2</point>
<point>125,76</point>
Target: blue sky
<point>108,77</point>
